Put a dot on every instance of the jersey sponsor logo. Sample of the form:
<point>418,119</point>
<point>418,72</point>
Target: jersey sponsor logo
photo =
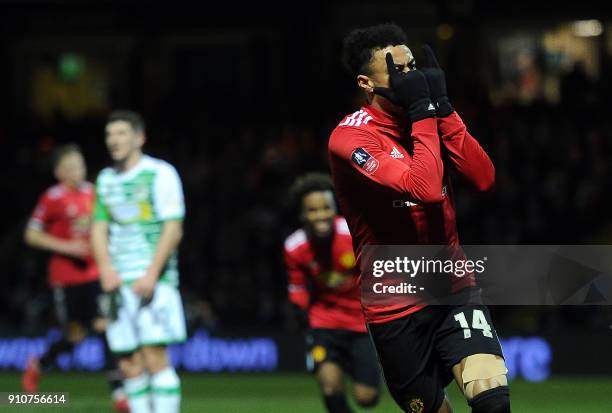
<point>125,213</point>
<point>396,154</point>
<point>364,160</point>
<point>357,119</point>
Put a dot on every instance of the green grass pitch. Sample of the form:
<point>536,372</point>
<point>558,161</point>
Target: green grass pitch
<point>297,393</point>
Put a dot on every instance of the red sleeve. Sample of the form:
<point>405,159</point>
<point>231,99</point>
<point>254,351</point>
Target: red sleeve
<point>298,289</point>
<point>422,180</point>
<point>465,153</point>
<point>40,216</point>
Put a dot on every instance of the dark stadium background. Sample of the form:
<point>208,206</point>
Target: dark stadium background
<point>242,100</point>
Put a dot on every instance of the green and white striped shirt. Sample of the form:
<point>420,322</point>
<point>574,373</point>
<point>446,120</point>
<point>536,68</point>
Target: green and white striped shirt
<point>136,203</point>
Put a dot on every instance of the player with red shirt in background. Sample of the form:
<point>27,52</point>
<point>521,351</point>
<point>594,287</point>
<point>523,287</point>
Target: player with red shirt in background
<point>60,224</point>
<point>390,163</point>
<point>324,293</point>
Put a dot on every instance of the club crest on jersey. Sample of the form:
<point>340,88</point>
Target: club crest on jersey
<point>72,210</point>
<point>416,406</point>
<point>364,160</point>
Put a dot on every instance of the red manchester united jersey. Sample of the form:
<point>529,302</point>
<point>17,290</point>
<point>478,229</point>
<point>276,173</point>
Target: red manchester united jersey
<point>65,213</point>
<point>333,299</point>
<point>391,184</point>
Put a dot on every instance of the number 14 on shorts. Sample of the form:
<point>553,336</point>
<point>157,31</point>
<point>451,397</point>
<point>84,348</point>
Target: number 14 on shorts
<point>479,322</point>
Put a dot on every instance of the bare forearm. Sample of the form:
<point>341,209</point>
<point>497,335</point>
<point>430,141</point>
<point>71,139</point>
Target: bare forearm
<point>172,233</point>
<point>99,244</point>
<point>41,240</point>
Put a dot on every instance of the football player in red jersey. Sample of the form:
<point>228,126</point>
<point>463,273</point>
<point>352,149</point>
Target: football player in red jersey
<point>392,184</point>
<point>324,292</point>
<point>60,225</point>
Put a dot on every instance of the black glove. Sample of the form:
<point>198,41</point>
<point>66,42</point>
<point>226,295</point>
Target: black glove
<point>408,90</point>
<point>437,83</point>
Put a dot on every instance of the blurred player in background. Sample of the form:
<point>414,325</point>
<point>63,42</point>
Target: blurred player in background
<point>137,228</point>
<point>60,224</point>
<point>324,294</point>
<point>389,173</point>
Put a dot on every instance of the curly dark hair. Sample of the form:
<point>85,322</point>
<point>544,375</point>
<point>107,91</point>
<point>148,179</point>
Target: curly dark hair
<point>305,184</point>
<point>360,44</point>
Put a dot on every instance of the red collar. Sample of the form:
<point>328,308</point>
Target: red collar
<point>394,125</point>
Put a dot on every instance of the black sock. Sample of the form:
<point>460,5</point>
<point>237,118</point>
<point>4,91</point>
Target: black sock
<point>336,403</point>
<point>496,400</point>
<point>62,346</point>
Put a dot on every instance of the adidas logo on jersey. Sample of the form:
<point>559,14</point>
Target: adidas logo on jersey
<point>395,153</point>
<point>431,107</point>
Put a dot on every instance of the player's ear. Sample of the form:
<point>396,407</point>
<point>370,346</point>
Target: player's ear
<point>365,83</point>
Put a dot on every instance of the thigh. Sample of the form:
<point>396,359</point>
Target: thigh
<point>161,321</point>
<point>363,365</point>
<point>72,309</point>
<point>467,330</point>
<point>83,303</point>
<point>155,358</point>
<point>325,346</point>
<point>131,364</point>
<point>405,352</point>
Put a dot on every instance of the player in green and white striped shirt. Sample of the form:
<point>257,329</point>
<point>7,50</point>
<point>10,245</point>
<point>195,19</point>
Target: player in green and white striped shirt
<point>136,230</point>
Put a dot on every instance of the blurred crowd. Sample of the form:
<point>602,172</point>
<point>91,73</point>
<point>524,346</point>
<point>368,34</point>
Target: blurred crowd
<point>552,163</point>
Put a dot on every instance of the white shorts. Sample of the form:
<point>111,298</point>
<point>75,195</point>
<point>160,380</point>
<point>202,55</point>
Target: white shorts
<point>139,323</point>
